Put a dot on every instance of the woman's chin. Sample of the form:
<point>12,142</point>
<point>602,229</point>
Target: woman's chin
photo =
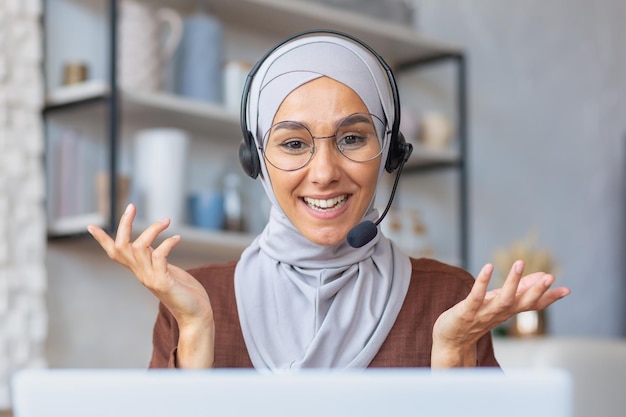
<point>326,238</point>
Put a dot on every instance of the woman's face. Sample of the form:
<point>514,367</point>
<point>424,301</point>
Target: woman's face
<point>330,195</point>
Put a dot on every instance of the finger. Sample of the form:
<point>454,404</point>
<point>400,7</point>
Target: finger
<point>511,284</point>
<point>103,239</point>
<point>552,295</point>
<point>110,247</point>
<point>477,294</point>
<point>530,280</point>
<point>148,236</point>
<point>142,247</point>
<point>529,297</point>
<point>161,253</point>
<point>125,227</point>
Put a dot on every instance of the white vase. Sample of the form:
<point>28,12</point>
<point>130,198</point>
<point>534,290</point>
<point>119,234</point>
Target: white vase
<point>160,160</point>
<point>147,39</point>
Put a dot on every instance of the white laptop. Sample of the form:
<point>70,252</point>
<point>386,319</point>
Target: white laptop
<point>226,393</point>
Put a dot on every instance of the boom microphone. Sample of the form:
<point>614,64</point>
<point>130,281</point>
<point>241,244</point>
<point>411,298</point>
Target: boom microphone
<point>364,232</point>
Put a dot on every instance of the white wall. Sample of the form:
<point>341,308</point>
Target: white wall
<point>548,141</point>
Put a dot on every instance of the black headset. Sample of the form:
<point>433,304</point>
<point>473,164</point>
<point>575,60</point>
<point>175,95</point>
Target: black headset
<point>248,153</point>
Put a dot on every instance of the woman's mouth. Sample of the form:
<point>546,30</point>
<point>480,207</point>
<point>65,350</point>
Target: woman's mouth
<point>326,204</point>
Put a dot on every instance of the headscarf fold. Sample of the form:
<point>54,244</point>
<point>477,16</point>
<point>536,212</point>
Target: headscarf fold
<point>300,304</point>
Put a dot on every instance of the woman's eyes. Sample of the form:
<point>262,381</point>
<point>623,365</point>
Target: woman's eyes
<point>344,142</point>
<point>295,145</point>
<point>351,140</point>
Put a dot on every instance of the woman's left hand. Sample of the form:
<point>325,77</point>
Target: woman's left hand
<point>458,329</point>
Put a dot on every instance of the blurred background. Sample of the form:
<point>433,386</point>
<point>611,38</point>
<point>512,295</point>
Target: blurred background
<point>517,111</point>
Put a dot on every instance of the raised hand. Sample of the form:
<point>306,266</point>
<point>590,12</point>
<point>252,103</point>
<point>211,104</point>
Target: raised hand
<point>180,292</point>
<point>457,330</point>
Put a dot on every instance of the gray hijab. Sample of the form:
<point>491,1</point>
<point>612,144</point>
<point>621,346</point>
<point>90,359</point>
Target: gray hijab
<point>302,305</point>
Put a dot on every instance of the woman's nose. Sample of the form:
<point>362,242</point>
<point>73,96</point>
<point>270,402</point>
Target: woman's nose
<point>325,165</point>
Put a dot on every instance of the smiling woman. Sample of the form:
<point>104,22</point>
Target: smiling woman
<point>328,194</point>
<point>319,133</point>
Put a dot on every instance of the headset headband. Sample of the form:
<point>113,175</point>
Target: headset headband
<point>247,151</point>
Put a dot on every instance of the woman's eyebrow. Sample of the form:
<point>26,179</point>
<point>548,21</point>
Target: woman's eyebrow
<point>350,120</point>
<point>356,118</point>
<point>287,125</point>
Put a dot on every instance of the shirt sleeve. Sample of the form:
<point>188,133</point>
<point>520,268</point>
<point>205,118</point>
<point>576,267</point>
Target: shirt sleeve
<point>164,340</point>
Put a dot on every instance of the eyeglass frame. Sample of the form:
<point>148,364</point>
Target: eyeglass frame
<point>385,133</point>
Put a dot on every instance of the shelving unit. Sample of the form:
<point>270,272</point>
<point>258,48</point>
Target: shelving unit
<point>401,47</point>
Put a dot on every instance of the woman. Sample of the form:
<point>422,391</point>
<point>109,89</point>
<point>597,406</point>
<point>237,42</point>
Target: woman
<point>321,113</point>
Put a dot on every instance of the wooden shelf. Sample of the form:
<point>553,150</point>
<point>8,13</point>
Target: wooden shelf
<point>217,243</point>
<point>76,93</point>
<point>424,156</point>
<point>398,44</point>
<point>171,110</point>
<point>207,119</point>
<point>74,225</point>
<point>154,108</point>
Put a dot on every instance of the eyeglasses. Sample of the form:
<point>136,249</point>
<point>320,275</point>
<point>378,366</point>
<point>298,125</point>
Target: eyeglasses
<point>289,145</point>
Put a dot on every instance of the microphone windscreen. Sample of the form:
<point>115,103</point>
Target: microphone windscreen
<point>361,234</point>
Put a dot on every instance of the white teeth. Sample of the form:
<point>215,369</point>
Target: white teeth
<point>325,204</point>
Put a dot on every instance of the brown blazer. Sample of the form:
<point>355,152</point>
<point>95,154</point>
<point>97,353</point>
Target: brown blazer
<point>434,288</point>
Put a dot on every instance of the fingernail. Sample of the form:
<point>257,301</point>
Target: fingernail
<point>487,269</point>
<point>519,267</point>
<point>128,208</point>
<point>90,229</point>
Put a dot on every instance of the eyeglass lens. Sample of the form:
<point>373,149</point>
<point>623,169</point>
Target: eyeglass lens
<point>290,145</point>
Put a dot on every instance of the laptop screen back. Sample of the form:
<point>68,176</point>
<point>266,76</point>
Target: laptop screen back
<point>225,393</point>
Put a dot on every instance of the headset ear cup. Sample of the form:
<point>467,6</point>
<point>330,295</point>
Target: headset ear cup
<point>397,152</point>
<point>248,156</point>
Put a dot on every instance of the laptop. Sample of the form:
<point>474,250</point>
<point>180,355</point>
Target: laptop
<point>229,393</point>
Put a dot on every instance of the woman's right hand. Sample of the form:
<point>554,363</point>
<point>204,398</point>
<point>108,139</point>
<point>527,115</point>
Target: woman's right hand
<point>180,292</point>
